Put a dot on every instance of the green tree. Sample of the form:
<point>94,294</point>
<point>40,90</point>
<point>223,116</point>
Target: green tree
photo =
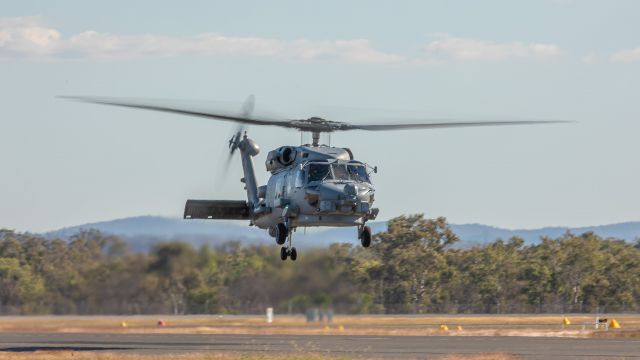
<point>19,288</point>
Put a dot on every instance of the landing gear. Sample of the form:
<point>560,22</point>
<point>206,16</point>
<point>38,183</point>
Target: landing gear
<point>282,235</point>
<point>291,253</point>
<point>365,236</point>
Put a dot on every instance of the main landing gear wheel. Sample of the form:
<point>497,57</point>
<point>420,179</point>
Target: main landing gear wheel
<point>281,233</point>
<point>365,237</point>
<point>290,253</point>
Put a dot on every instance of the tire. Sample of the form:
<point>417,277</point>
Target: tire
<point>281,233</point>
<point>283,253</point>
<point>294,254</point>
<point>365,237</point>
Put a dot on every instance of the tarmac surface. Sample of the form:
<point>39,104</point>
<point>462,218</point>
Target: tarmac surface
<point>406,347</point>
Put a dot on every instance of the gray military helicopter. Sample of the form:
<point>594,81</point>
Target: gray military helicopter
<point>310,184</point>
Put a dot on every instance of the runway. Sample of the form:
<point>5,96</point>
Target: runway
<point>351,346</point>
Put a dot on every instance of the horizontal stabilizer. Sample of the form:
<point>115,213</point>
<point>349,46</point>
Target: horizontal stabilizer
<point>216,209</point>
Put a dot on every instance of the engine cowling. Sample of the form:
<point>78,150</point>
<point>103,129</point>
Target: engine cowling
<point>281,158</point>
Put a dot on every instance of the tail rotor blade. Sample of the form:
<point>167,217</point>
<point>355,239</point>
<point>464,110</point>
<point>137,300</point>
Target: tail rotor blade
<point>246,112</point>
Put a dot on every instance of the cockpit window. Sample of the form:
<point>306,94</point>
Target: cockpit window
<point>340,172</point>
<point>353,172</point>
<point>358,173</point>
<point>318,172</point>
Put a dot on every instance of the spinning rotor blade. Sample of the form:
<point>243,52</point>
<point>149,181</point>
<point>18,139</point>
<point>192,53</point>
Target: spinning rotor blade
<point>148,104</point>
<point>247,111</point>
<point>314,124</point>
<point>438,125</point>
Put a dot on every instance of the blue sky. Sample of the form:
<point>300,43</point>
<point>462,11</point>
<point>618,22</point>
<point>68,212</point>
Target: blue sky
<point>67,163</point>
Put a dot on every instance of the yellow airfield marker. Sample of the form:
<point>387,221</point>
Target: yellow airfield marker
<point>444,327</point>
<point>123,324</point>
<point>614,324</point>
<point>340,328</point>
<point>565,321</point>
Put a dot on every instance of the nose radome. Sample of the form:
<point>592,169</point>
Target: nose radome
<point>329,191</point>
<point>350,190</point>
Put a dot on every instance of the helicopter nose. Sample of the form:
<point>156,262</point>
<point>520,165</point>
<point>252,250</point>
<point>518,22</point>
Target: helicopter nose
<point>329,191</point>
<point>346,198</point>
<point>349,191</point>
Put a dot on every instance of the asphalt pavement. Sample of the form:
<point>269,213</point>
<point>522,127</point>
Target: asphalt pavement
<point>407,347</point>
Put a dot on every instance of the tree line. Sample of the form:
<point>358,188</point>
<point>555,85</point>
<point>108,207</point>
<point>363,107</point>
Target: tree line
<point>412,267</point>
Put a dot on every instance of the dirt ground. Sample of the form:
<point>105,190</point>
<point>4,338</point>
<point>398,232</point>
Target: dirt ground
<point>420,325</point>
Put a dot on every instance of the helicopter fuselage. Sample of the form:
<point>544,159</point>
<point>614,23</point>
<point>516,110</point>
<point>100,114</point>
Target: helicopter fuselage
<point>310,185</point>
<point>314,186</point>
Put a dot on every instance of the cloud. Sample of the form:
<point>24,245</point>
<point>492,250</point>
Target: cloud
<point>29,37</point>
<point>626,56</point>
<point>446,47</point>
<point>25,35</point>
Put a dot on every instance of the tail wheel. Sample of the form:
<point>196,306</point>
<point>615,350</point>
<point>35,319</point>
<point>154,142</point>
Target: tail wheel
<point>283,253</point>
<point>294,254</point>
<point>365,237</point>
<point>281,233</point>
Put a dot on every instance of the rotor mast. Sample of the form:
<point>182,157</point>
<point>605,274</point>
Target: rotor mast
<point>315,138</point>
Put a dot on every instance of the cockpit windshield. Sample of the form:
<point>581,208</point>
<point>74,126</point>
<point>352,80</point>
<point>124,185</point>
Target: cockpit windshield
<point>358,173</point>
<point>353,172</point>
<point>319,172</point>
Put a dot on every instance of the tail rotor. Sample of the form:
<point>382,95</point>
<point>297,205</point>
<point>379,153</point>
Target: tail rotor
<point>247,111</point>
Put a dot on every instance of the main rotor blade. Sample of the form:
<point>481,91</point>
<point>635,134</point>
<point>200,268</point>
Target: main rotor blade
<point>437,125</point>
<point>313,124</point>
<point>148,104</point>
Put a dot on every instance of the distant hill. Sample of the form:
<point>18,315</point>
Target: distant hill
<point>142,232</point>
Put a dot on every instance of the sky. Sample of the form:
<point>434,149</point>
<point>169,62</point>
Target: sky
<point>65,163</point>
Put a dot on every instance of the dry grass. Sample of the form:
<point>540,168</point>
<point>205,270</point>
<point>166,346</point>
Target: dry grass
<point>57,355</point>
<point>492,356</point>
<point>478,325</point>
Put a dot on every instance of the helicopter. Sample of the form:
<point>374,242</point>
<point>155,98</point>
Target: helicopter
<point>310,185</point>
